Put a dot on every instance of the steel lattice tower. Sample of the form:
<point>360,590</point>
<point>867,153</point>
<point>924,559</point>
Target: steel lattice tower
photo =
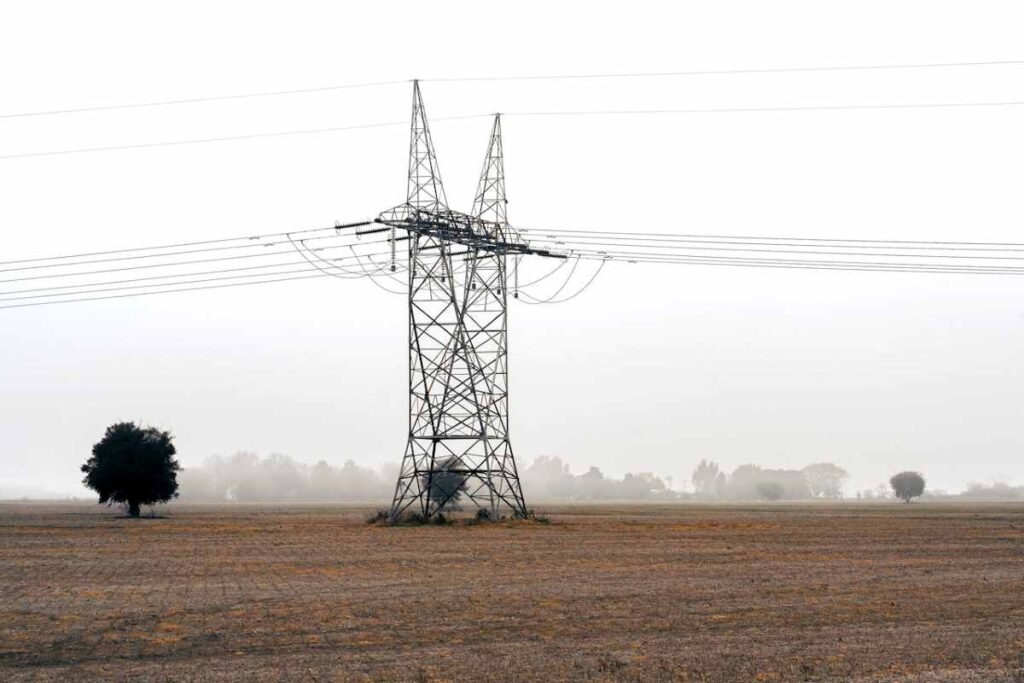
<point>458,336</point>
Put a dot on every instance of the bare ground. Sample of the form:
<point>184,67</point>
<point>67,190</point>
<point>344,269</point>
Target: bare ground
<point>633,593</point>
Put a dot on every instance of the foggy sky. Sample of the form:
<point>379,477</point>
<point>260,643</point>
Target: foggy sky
<point>653,368</point>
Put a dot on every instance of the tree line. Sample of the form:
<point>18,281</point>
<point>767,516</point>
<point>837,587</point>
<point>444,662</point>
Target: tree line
<point>135,466</point>
<point>753,482</point>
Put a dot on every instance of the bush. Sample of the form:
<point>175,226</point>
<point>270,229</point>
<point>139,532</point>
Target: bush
<point>381,516</point>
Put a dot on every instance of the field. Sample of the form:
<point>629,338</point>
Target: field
<point>814,592</point>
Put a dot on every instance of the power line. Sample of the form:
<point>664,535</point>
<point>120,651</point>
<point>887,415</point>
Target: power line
<point>185,252</point>
<point>224,138</point>
<point>122,288</point>
<point>218,259</point>
<point>701,257</point>
<point>262,271</point>
<point>669,243</point>
<point>199,141</point>
<point>580,245</point>
<point>623,243</point>
<point>570,297</point>
<point>93,290</point>
<point>824,264</point>
<point>759,110</point>
<point>802,249</point>
<point>538,233</point>
<point>561,231</point>
<point>799,266</point>
<point>725,72</point>
<point>168,291</point>
<point>222,240</point>
<point>582,112</point>
<point>197,100</point>
<point>533,77</point>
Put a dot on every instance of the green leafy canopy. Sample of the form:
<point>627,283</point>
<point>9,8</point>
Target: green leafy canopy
<point>133,465</point>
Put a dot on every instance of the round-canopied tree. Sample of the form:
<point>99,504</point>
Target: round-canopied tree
<point>907,485</point>
<point>133,465</point>
<point>445,484</point>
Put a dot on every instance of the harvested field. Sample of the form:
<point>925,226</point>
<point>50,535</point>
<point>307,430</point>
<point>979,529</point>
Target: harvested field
<point>814,592</point>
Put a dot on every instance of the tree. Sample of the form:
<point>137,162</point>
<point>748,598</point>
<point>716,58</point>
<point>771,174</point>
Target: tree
<point>548,477</point>
<point>445,484</point>
<point>705,478</point>
<point>322,481</point>
<point>592,484</point>
<point>133,465</point>
<point>770,490</point>
<point>907,485</point>
<point>641,486</point>
<point>825,480</point>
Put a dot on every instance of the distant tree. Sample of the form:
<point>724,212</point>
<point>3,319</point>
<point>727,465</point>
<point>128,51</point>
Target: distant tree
<point>721,485</point>
<point>770,490</point>
<point>705,478</point>
<point>825,480</point>
<point>743,481</point>
<point>446,484</point>
<point>907,485</point>
<point>548,477</point>
<point>284,477</point>
<point>640,486</point>
<point>133,465</point>
<point>997,491</point>
<point>592,484</point>
<point>322,481</point>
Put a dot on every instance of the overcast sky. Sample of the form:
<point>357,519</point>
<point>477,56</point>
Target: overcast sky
<point>655,366</point>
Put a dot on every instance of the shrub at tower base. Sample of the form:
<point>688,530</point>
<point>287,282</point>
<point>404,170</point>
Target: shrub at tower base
<point>133,465</point>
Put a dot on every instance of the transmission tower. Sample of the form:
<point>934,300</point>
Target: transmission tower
<point>458,445</point>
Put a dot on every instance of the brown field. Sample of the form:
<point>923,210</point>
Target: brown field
<point>815,592</point>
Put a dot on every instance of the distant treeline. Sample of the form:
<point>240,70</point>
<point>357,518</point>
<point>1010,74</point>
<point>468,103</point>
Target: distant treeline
<point>753,482</point>
<point>997,491</point>
<point>249,477</point>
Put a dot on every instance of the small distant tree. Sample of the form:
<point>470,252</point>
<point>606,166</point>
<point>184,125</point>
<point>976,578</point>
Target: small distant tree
<point>133,465</point>
<point>770,490</point>
<point>445,484</point>
<point>907,485</point>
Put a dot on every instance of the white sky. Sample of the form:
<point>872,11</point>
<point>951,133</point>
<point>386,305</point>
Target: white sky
<point>655,367</point>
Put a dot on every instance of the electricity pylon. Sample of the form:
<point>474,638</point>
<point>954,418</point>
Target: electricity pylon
<point>458,445</point>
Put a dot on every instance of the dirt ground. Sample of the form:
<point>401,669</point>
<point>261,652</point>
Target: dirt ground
<point>644,593</point>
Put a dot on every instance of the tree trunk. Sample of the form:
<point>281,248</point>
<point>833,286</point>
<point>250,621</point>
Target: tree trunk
<point>133,508</point>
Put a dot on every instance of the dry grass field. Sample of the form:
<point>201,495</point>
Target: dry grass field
<point>893,592</point>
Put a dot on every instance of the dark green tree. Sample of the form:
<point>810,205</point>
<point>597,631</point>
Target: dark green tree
<point>907,485</point>
<point>446,484</point>
<point>133,465</point>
